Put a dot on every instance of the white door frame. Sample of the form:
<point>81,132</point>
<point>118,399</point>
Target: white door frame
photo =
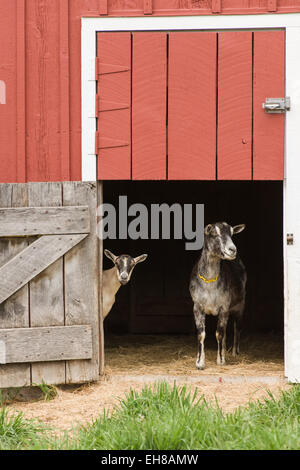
<point>291,23</point>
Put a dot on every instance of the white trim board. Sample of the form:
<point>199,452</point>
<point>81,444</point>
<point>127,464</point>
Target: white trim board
<point>291,23</point>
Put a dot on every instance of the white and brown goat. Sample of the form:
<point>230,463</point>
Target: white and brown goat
<point>116,277</point>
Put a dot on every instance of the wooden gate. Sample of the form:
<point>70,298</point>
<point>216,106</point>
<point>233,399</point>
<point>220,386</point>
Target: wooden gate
<point>49,284</point>
<point>187,105</point>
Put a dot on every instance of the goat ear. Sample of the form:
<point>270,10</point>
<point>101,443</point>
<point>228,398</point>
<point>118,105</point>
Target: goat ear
<point>207,229</point>
<point>238,228</point>
<point>110,255</point>
<point>140,259</point>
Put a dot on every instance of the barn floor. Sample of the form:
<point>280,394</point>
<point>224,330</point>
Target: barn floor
<point>133,360</point>
<point>176,355</point>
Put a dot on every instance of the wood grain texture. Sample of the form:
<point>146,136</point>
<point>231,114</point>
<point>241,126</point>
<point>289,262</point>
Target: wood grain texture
<point>149,106</point>
<point>60,343</point>
<point>113,145</point>
<point>82,283</point>
<point>21,92</point>
<point>33,260</point>
<point>100,281</point>
<point>47,289</point>
<point>148,7</point>
<point>192,106</point>
<point>9,113</point>
<point>269,82</point>
<point>103,7</point>
<point>27,221</point>
<point>272,5</point>
<point>64,64</point>
<point>43,92</point>
<point>14,313</point>
<point>235,106</point>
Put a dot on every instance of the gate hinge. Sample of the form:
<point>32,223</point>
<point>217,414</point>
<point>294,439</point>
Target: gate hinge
<point>277,105</point>
<point>290,239</point>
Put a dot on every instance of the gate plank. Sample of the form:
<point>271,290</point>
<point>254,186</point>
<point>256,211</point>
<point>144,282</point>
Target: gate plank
<point>114,124</point>
<point>235,106</point>
<point>149,106</point>
<point>28,221</point>
<point>47,289</point>
<point>33,260</point>
<point>100,281</point>
<point>56,343</point>
<point>269,82</point>
<point>14,313</point>
<point>192,106</point>
<point>82,282</point>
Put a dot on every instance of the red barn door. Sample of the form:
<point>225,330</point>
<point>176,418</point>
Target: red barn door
<point>188,105</point>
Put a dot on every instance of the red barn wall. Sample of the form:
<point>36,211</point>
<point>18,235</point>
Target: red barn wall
<point>40,63</point>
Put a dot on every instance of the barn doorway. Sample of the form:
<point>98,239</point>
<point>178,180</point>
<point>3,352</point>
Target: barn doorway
<point>150,329</point>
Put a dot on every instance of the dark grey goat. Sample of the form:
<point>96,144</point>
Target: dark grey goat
<point>218,287</point>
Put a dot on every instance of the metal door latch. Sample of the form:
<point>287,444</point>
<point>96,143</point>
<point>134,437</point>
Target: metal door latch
<point>290,239</point>
<point>277,105</point>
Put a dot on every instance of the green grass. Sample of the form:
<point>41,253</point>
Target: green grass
<point>168,417</point>
<point>49,391</point>
<point>16,433</point>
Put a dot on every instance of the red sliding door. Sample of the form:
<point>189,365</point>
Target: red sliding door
<point>188,105</point>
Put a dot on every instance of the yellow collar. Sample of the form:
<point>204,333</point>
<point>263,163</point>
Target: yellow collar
<point>208,280</point>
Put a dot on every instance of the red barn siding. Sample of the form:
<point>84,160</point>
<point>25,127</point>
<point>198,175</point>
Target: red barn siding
<point>235,105</point>
<point>40,62</point>
<point>192,139</point>
<point>149,110</point>
<point>8,74</point>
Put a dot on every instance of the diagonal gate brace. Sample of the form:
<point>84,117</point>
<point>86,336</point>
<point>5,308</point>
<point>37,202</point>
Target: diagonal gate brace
<point>33,260</point>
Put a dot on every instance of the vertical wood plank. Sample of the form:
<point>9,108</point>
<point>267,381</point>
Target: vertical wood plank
<point>235,106</point>
<point>43,105</point>
<point>8,88</point>
<point>82,282</point>
<point>100,255</point>
<point>148,7</point>
<point>272,5</point>
<point>14,313</point>
<point>149,106</point>
<point>64,90</point>
<point>103,7</point>
<point>47,289</point>
<point>114,111</point>
<point>21,93</point>
<point>192,106</point>
<point>269,82</point>
<point>216,6</point>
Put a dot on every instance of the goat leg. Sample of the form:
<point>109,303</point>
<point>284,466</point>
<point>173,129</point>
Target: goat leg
<point>236,337</point>
<point>221,337</point>
<point>200,325</point>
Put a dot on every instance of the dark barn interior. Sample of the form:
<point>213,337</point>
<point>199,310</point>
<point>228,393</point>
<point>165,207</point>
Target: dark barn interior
<point>157,300</point>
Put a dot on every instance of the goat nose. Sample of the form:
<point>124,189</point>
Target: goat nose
<point>124,276</point>
<point>232,250</point>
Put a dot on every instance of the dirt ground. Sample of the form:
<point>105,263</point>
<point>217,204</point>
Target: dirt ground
<point>132,362</point>
<point>85,403</point>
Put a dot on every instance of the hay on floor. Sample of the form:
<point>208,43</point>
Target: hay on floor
<point>176,355</point>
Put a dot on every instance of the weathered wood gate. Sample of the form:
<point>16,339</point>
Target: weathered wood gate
<point>49,284</point>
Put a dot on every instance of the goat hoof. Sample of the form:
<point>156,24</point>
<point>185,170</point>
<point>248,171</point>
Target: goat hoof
<point>221,362</point>
<point>200,366</point>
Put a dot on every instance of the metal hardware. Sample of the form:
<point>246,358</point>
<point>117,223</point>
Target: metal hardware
<point>277,105</point>
<point>290,239</point>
